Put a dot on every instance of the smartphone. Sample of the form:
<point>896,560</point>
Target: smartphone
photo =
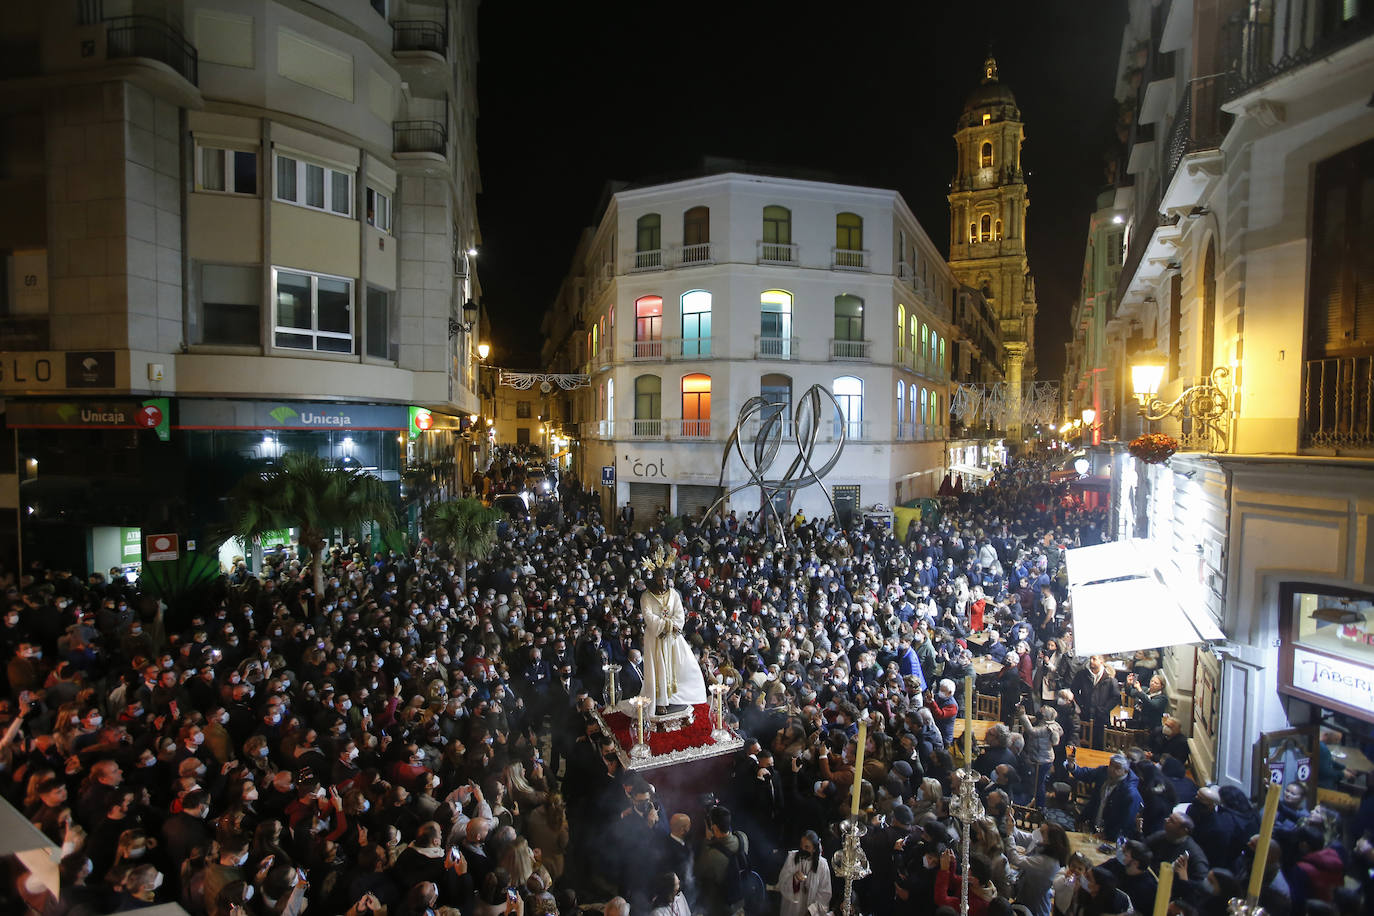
<point>511,894</point>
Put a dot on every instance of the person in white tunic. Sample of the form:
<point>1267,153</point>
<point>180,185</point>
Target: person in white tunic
<point>672,676</point>
<point>804,881</point>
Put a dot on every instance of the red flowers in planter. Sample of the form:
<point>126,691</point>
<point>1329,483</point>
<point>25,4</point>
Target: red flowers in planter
<point>1153,448</point>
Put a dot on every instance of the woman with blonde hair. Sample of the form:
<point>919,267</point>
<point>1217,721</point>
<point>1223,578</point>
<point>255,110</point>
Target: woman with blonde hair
<point>547,827</point>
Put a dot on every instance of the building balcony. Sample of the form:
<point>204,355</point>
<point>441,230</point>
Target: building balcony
<point>1293,35</point>
<point>780,423</point>
<point>850,259</point>
<point>409,35</point>
<point>694,429</point>
<point>783,253</point>
<point>419,137</point>
<point>646,429</point>
<point>646,349</point>
<point>905,358</point>
<point>696,255</point>
<point>1338,403</point>
<point>1199,125</point>
<point>851,349</point>
<point>651,259</point>
<point>775,347</point>
<point>693,348</point>
<point>604,357</point>
<point>143,36</point>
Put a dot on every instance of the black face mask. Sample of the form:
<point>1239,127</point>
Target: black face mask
<point>803,854</point>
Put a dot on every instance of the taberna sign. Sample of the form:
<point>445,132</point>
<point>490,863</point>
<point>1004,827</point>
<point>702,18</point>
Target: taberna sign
<point>1317,678</point>
<point>195,414</point>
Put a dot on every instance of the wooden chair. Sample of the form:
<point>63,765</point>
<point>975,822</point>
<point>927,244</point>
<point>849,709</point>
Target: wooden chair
<point>1027,817</point>
<point>1085,733</point>
<point>1120,739</point>
<point>986,707</point>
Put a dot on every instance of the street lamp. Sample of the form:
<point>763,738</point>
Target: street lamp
<point>1208,403</point>
<point>470,312</point>
<point>483,350</point>
<point>1088,415</point>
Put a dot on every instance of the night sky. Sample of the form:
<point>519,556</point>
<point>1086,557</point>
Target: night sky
<point>575,95</point>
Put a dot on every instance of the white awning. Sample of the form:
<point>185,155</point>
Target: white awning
<point>20,838</point>
<point>1121,601</point>
<point>1131,614</point>
<point>971,470</point>
<point>1110,560</point>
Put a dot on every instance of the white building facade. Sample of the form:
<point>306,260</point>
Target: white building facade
<point>1248,212</point>
<point>704,293</point>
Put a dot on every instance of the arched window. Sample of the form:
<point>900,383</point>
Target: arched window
<point>935,418</point>
<point>595,345</point>
<point>985,228</point>
<point>648,327</point>
<point>925,344</point>
<point>849,240</point>
<point>648,398</point>
<point>985,156</point>
<point>925,396</point>
<point>849,326</point>
<point>648,241</point>
<point>940,357</point>
<point>588,347</point>
<point>997,230</point>
<point>696,235</point>
<point>696,405</point>
<point>777,235</point>
<point>649,232</point>
<point>610,399</point>
<point>776,389</point>
<point>972,232</point>
<point>601,401</point>
<point>901,327</point>
<point>849,393</point>
<point>775,324</point>
<point>605,341</point>
<point>911,324</point>
<point>901,410</point>
<point>1209,311</point>
<point>696,323</point>
<point>696,226</point>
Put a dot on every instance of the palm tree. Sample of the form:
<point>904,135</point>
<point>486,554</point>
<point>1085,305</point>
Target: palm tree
<point>466,527</point>
<point>308,492</point>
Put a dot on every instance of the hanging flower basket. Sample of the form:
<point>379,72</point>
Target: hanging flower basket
<point>1153,448</point>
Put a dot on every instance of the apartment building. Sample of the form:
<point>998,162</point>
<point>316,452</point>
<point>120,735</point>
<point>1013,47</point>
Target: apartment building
<point>1244,326</point>
<point>245,227</point>
<point>689,298</point>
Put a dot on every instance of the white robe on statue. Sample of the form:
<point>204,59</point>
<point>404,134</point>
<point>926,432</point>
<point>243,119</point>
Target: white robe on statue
<point>671,672</point>
<point>804,898</point>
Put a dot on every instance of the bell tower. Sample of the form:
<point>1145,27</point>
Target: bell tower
<point>987,232</point>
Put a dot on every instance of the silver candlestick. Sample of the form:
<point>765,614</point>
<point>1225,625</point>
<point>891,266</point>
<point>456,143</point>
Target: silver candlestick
<point>612,693</point>
<point>967,808</point>
<point>850,862</point>
<point>1238,906</point>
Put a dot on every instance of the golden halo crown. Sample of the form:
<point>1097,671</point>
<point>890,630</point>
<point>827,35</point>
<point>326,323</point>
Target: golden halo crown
<point>660,559</point>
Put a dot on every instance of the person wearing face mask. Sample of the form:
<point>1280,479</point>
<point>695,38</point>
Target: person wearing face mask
<point>139,888</point>
<point>186,830</point>
<point>804,880</point>
<point>1037,866</point>
<point>227,867</point>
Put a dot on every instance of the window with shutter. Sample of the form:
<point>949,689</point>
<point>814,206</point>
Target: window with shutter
<point>1340,317</point>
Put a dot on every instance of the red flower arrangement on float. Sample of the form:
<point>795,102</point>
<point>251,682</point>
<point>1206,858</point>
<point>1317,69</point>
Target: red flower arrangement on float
<point>1153,448</point>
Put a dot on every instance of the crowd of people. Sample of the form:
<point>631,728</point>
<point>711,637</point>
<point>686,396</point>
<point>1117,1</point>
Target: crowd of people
<point>418,739</point>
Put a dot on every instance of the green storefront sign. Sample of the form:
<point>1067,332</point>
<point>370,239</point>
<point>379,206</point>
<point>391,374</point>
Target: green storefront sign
<point>130,545</point>
<point>277,537</point>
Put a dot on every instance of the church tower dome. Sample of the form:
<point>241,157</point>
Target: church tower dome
<point>987,208</point>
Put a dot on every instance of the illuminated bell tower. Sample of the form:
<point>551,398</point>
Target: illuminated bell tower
<point>987,212</point>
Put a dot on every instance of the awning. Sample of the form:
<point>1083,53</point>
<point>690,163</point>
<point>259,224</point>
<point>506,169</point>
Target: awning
<point>972,471</point>
<point>20,838</point>
<point>1121,602</point>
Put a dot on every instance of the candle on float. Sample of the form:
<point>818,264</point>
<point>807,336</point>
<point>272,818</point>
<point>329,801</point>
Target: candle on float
<point>859,768</point>
<point>968,721</point>
<point>1271,810</point>
<point>639,705</point>
<point>1166,887</point>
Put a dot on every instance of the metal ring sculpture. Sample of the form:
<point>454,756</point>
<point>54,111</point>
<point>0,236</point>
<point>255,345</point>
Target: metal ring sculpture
<point>801,473</point>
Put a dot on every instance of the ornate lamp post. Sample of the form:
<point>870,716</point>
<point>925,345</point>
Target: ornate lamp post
<point>851,863</point>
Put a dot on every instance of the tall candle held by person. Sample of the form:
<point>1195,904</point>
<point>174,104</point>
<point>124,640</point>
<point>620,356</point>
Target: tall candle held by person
<point>968,721</point>
<point>859,767</point>
<point>1166,887</point>
<point>1271,810</point>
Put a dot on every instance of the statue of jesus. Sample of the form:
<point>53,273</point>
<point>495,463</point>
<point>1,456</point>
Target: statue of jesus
<point>672,677</point>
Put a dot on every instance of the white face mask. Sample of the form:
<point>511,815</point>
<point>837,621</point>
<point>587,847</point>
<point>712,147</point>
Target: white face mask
<point>157,881</point>
<point>241,859</point>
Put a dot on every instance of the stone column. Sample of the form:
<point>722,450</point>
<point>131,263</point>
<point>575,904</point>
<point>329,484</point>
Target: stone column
<point>1014,353</point>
